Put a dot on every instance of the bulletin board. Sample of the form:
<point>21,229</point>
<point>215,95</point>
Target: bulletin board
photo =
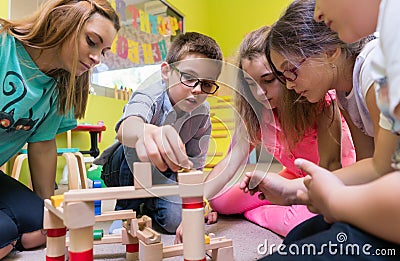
<point>148,27</point>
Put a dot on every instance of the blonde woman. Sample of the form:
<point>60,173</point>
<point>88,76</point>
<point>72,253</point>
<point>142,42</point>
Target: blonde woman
<point>46,60</point>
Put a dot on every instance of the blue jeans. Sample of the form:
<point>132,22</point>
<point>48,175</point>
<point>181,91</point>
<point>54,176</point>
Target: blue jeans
<point>165,211</point>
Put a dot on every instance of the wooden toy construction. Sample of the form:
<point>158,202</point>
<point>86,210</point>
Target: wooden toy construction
<point>75,211</point>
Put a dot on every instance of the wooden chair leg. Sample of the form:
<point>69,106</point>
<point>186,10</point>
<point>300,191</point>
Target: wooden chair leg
<point>16,171</point>
<point>4,167</point>
<point>73,170</point>
<point>82,169</point>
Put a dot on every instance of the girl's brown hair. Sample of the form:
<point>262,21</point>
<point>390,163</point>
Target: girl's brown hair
<point>51,26</point>
<point>295,118</point>
<point>296,35</point>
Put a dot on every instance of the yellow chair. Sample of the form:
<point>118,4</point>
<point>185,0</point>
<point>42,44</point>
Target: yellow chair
<point>4,167</point>
<point>74,162</point>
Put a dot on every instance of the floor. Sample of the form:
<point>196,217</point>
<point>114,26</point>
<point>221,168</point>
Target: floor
<point>249,240</point>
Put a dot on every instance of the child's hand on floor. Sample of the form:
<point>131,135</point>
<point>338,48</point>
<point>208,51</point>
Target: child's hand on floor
<point>273,187</point>
<point>211,217</point>
<point>179,235</point>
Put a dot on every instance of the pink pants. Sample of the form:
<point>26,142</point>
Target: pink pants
<point>279,219</point>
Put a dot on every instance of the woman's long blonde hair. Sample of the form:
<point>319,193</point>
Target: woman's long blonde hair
<point>51,26</point>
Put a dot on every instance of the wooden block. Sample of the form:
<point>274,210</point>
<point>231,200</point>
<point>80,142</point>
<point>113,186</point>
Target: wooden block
<point>132,256</point>
<point>115,215</point>
<point>134,227</point>
<point>145,221</point>
<point>50,220</point>
<point>81,239</point>
<point>79,214</point>
<point>55,246</point>
<point>56,200</point>
<point>173,250</point>
<point>207,239</point>
<point>127,192</point>
<point>128,238</point>
<point>191,184</point>
<point>152,252</point>
<point>142,175</point>
<point>108,239</point>
<point>58,212</point>
<point>193,234</point>
<point>148,236</point>
<point>192,177</point>
<point>222,254</point>
<point>218,242</point>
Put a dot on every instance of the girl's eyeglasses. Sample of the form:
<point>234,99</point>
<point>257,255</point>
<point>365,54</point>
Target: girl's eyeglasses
<point>290,75</point>
<point>189,80</point>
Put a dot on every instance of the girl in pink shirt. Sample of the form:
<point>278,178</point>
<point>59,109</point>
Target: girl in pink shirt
<point>317,133</point>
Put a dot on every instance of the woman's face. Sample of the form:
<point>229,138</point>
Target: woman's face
<point>314,75</point>
<point>264,86</point>
<point>352,20</point>
<point>94,41</point>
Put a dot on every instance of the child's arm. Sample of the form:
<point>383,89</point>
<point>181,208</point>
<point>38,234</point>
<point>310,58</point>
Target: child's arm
<point>363,144</point>
<point>372,207</point>
<point>42,157</point>
<point>385,144</point>
<point>329,138</point>
<point>160,145</point>
<point>224,171</point>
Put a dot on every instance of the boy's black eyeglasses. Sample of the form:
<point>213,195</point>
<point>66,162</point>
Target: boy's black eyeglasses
<point>189,80</point>
<point>290,75</point>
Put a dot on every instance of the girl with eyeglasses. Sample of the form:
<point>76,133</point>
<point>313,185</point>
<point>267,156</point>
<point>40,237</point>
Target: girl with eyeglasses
<point>259,101</point>
<point>331,64</point>
<point>370,209</point>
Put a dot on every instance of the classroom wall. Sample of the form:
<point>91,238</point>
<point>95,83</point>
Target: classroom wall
<point>4,8</point>
<point>228,21</point>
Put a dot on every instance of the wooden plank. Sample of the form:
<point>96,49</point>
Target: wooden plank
<point>127,192</point>
<point>114,215</point>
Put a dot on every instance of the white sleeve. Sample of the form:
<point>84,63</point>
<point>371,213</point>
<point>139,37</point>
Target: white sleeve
<point>390,41</point>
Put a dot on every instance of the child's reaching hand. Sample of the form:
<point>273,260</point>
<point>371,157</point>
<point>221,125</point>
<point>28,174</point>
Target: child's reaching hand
<point>323,190</point>
<point>210,218</point>
<point>273,187</point>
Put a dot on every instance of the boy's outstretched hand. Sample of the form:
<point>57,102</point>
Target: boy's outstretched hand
<point>323,190</point>
<point>163,147</point>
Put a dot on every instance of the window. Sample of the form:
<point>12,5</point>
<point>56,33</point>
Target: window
<point>148,27</point>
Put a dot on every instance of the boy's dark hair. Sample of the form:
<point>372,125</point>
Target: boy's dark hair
<point>192,42</point>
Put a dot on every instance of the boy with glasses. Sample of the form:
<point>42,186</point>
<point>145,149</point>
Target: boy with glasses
<point>167,122</point>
